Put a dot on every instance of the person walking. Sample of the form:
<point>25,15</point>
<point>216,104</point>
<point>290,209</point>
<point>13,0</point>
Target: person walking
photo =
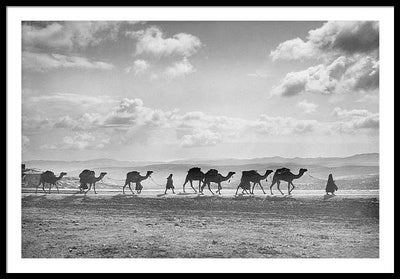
<point>170,184</point>
<point>330,185</point>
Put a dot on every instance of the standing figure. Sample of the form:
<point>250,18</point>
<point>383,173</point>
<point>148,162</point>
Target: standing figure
<point>330,185</point>
<point>170,184</point>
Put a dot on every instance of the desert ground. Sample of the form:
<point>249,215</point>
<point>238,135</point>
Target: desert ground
<point>154,225</point>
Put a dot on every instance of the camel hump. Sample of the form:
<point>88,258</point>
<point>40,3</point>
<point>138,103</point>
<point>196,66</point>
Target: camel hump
<point>194,170</point>
<point>48,173</point>
<point>212,172</point>
<point>249,173</point>
<point>133,174</point>
<point>85,173</point>
<point>282,170</point>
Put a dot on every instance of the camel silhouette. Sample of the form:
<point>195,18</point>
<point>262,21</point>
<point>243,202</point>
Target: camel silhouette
<point>88,177</point>
<point>135,177</point>
<point>194,174</point>
<point>49,177</point>
<point>213,176</point>
<point>284,174</point>
<point>255,177</point>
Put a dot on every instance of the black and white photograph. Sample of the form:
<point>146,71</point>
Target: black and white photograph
<point>142,138</point>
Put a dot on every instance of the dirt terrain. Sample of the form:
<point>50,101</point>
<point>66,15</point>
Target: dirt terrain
<point>191,226</point>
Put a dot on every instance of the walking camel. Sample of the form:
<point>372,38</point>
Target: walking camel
<point>194,174</point>
<point>135,177</point>
<point>255,177</point>
<point>285,174</point>
<point>49,177</point>
<point>213,176</point>
<point>88,177</point>
<point>245,182</point>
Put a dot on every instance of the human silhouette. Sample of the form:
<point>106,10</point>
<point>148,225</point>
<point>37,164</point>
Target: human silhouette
<point>330,185</point>
<point>170,184</point>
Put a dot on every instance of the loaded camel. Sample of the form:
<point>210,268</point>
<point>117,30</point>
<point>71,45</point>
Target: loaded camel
<point>49,177</point>
<point>135,177</point>
<point>285,174</point>
<point>88,177</point>
<point>255,177</point>
<point>194,174</point>
<point>213,176</point>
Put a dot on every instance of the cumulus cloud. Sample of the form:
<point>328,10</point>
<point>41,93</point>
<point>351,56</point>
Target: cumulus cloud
<point>130,121</point>
<point>69,35</point>
<point>333,38</point>
<point>340,76</point>
<point>201,138</point>
<point>152,41</point>
<point>41,62</point>
<point>34,124</point>
<point>178,69</point>
<point>85,122</point>
<point>276,125</point>
<point>355,119</point>
<point>307,106</point>
<point>71,99</point>
<point>79,141</point>
<point>132,112</point>
<point>139,66</point>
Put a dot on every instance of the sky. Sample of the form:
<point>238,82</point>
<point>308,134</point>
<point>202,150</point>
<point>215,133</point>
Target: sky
<point>161,91</point>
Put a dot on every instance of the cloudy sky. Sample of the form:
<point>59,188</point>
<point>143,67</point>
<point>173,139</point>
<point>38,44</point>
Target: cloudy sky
<point>173,90</point>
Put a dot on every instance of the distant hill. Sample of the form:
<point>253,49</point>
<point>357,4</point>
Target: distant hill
<point>367,160</point>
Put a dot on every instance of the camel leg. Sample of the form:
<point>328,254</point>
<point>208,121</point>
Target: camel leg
<point>292,187</point>
<point>123,188</point>
<point>191,185</point>
<point>277,185</point>
<point>259,183</point>
<point>202,187</point>
<point>237,189</point>
<point>43,187</point>
<point>129,185</point>
<point>94,188</point>
<point>209,188</point>
<point>270,187</point>
<point>185,184</point>
<point>219,188</point>
<point>90,187</point>
<point>288,188</point>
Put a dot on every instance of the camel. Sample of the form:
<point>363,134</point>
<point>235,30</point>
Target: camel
<point>245,181</point>
<point>194,174</point>
<point>285,175</point>
<point>88,177</point>
<point>255,177</point>
<point>135,177</point>
<point>49,177</point>
<point>213,176</point>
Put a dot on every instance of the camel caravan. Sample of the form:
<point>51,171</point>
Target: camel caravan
<point>249,180</point>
